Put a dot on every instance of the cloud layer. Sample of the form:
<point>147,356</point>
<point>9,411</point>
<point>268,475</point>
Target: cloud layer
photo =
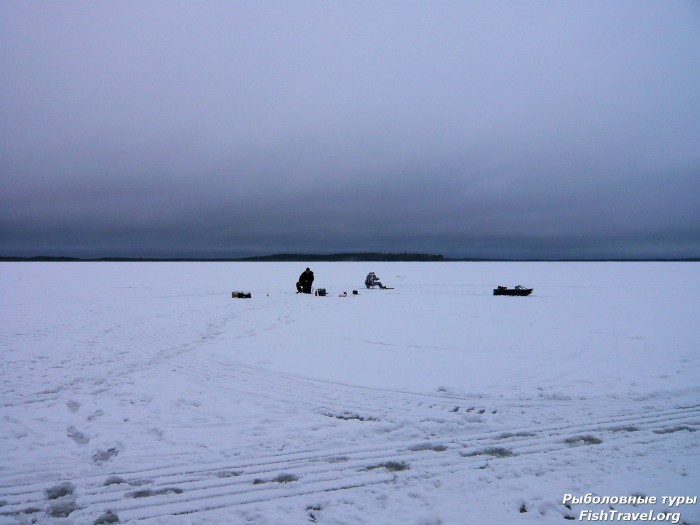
<point>481,129</point>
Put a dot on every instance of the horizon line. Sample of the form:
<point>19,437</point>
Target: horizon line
<point>343,257</point>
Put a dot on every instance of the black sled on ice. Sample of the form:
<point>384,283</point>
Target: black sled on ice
<point>518,290</point>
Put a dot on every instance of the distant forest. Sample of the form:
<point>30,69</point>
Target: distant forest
<point>280,257</point>
<point>329,257</point>
<point>351,257</point>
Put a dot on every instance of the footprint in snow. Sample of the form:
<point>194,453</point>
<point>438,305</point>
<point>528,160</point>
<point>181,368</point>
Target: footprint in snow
<point>60,490</point>
<point>100,456</point>
<point>147,493</point>
<point>63,504</point>
<point>77,436</point>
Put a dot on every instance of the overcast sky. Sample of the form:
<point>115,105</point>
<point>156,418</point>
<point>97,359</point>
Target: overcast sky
<point>463,128</point>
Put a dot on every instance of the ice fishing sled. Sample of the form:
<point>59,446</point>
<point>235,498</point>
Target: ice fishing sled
<point>518,290</point>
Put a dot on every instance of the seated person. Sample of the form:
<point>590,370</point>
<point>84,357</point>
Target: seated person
<point>306,279</point>
<point>372,280</point>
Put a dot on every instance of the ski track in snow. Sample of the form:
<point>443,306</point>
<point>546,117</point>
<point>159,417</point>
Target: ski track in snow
<point>198,490</point>
<point>177,488</point>
<point>297,439</point>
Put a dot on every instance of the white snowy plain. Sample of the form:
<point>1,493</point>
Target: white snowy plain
<point>144,393</point>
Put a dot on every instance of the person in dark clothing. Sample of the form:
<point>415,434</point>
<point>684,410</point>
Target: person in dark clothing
<point>306,279</point>
<point>372,280</point>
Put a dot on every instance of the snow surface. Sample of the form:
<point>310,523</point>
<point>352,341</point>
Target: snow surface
<point>144,393</point>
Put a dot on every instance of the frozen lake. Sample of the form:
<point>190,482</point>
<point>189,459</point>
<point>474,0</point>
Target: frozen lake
<point>143,392</point>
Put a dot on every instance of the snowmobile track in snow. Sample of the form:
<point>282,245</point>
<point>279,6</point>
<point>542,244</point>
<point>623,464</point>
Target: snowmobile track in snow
<point>178,488</point>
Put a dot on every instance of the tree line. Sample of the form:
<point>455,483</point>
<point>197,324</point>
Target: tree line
<point>280,257</point>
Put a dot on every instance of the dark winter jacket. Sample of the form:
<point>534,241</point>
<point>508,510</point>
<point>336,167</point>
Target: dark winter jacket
<point>306,278</point>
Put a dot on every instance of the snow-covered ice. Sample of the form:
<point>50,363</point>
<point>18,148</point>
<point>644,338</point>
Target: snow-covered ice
<point>144,393</point>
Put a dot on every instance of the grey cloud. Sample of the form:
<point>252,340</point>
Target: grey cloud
<point>234,128</point>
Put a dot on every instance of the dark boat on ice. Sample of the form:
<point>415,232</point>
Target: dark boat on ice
<point>518,290</point>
